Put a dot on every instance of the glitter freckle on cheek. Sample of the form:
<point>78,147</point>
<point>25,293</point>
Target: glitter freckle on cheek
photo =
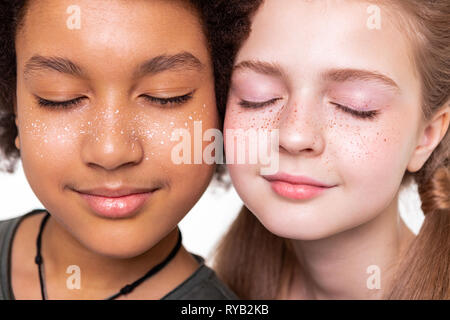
<point>149,134</point>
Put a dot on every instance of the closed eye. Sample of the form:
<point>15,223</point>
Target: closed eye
<point>177,100</point>
<point>73,102</point>
<point>254,104</point>
<point>357,113</point>
<point>59,104</point>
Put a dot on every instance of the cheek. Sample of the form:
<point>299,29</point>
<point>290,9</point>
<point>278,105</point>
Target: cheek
<point>188,181</point>
<point>47,145</point>
<point>164,149</point>
<point>255,133</point>
<point>158,131</point>
<point>245,182</point>
<point>49,154</point>
<point>371,158</point>
<point>247,118</point>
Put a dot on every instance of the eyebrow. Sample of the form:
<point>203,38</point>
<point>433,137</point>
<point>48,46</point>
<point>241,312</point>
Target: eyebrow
<point>183,60</point>
<point>265,68</point>
<point>337,75</point>
<point>341,75</point>
<point>179,61</point>
<point>58,64</point>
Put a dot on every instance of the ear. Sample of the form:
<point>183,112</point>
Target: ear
<point>15,105</point>
<point>430,137</point>
<point>17,141</point>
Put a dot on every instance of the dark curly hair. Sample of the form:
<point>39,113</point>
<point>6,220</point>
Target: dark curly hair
<point>226,24</point>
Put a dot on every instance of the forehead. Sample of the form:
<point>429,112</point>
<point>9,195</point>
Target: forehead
<point>111,29</point>
<point>307,36</point>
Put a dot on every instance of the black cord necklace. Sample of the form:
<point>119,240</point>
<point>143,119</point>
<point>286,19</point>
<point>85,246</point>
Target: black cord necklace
<point>126,289</point>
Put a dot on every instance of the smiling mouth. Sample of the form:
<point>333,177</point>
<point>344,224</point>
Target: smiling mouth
<point>296,187</point>
<point>116,203</point>
<point>297,191</point>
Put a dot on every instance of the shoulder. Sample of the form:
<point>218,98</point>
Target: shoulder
<point>203,284</point>
<point>8,228</point>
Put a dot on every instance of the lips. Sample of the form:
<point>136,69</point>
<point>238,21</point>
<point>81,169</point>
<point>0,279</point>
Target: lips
<point>296,187</point>
<point>116,203</point>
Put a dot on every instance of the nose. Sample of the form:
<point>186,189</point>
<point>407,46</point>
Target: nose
<point>300,129</point>
<point>111,142</point>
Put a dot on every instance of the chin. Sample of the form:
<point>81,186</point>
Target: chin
<point>297,229</point>
<point>120,247</point>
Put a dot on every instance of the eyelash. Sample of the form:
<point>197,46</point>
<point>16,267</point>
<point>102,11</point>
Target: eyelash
<point>359,114</point>
<point>69,103</point>
<point>59,104</point>
<point>172,100</point>
<point>356,113</point>
<point>251,104</point>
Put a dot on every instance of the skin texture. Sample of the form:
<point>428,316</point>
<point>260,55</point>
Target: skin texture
<point>113,136</point>
<point>356,223</point>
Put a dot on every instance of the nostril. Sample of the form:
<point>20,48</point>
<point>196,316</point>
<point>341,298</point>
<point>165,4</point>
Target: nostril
<point>111,167</point>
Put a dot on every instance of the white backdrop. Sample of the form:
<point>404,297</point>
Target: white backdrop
<point>203,226</point>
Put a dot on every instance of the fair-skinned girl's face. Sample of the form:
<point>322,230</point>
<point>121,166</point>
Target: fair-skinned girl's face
<point>346,101</point>
<point>96,107</point>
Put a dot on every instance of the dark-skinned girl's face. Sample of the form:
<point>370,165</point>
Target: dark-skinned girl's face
<point>97,101</point>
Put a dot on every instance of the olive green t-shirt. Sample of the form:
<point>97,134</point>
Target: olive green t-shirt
<point>203,284</point>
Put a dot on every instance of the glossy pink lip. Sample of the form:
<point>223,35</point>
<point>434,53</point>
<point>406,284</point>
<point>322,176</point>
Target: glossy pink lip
<point>117,203</point>
<point>296,187</point>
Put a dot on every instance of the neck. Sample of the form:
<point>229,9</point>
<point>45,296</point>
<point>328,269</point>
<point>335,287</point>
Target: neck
<point>101,276</point>
<point>336,267</point>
